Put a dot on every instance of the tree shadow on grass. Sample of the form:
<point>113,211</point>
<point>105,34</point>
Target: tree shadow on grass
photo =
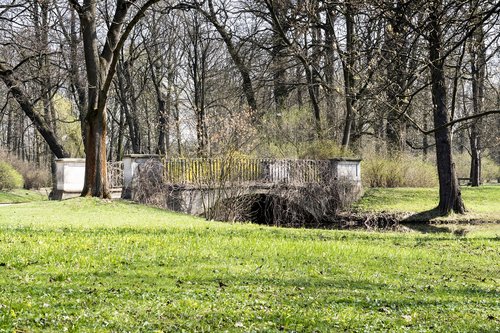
<point>422,222</point>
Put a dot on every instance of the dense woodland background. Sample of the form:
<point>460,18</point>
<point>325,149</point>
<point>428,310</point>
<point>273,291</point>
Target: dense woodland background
<point>282,79</point>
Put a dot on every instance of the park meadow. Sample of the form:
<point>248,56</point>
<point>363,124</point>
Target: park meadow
<point>87,265</point>
<point>249,166</point>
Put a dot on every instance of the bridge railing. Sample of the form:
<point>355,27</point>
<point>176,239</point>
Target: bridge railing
<point>189,171</point>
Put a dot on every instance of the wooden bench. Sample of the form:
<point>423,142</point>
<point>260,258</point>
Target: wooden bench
<point>464,181</point>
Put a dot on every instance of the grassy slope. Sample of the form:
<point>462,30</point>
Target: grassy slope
<point>482,203</point>
<point>21,196</point>
<point>85,265</point>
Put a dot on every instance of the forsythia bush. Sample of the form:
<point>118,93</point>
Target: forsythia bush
<point>34,177</point>
<point>9,177</point>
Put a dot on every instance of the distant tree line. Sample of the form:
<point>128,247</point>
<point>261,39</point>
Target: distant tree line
<point>198,78</point>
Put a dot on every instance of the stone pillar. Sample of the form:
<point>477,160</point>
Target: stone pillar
<point>345,169</point>
<point>70,177</point>
<point>348,169</point>
<point>130,164</point>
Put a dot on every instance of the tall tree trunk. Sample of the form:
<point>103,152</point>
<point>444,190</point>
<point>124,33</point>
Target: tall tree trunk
<point>9,128</point>
<point>41,21</point>
<point>311,89</point>
<point>397,58</point>
<point>449,192</point>
<point>348,70</point>
<point>119,144</point>
<point>314,65</point>
<point>163,102</point>
<point>475,166</point>
<point>478,71</point>
<point>95,121</point>
<point>332,117</point>
<point>178,126</point>
<point>425,139</point>
<point>126,94</point>
<point>75,75</point>
<point>96,183</point>
<point>198,60</point>
<point>280,90</point>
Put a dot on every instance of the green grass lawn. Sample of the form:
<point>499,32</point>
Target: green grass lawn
<point>20,196</point>
<point>84,265</point>
<point>482,203</point>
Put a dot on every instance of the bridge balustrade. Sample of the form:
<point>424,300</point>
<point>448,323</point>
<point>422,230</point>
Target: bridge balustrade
<point>200,171</point>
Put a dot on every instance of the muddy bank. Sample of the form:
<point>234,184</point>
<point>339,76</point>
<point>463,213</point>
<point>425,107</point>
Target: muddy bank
<point>383,221</point>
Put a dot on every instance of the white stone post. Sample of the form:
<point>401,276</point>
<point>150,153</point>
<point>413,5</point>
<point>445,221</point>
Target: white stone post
<point>70,177</point>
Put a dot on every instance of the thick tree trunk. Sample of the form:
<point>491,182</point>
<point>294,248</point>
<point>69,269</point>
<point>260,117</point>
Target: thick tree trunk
<point>164,106</point>
<point>42,34</point>
<point>96,183</point>
<point>158,67</point>
<point>95,121</point>
<point>449,192</point>
<point>10,117</point>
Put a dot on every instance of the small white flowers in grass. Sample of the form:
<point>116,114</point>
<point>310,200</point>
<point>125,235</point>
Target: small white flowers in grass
<point>408,318</point>
<point>239,324</point>
<point>46,305</point>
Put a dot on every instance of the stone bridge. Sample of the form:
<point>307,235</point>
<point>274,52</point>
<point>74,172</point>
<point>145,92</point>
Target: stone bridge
<point>202,186</point>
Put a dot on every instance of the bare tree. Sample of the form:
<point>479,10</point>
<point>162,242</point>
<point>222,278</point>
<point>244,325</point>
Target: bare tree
<point>219,17</point>
<point>101,63</point>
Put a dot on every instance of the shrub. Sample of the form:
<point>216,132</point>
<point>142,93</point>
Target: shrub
<point>489,169</point>
<point>34,177</point>
<point>9,177</point>
<point>401,171</point>
<point>321,150</point>
<point>420,174</point>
